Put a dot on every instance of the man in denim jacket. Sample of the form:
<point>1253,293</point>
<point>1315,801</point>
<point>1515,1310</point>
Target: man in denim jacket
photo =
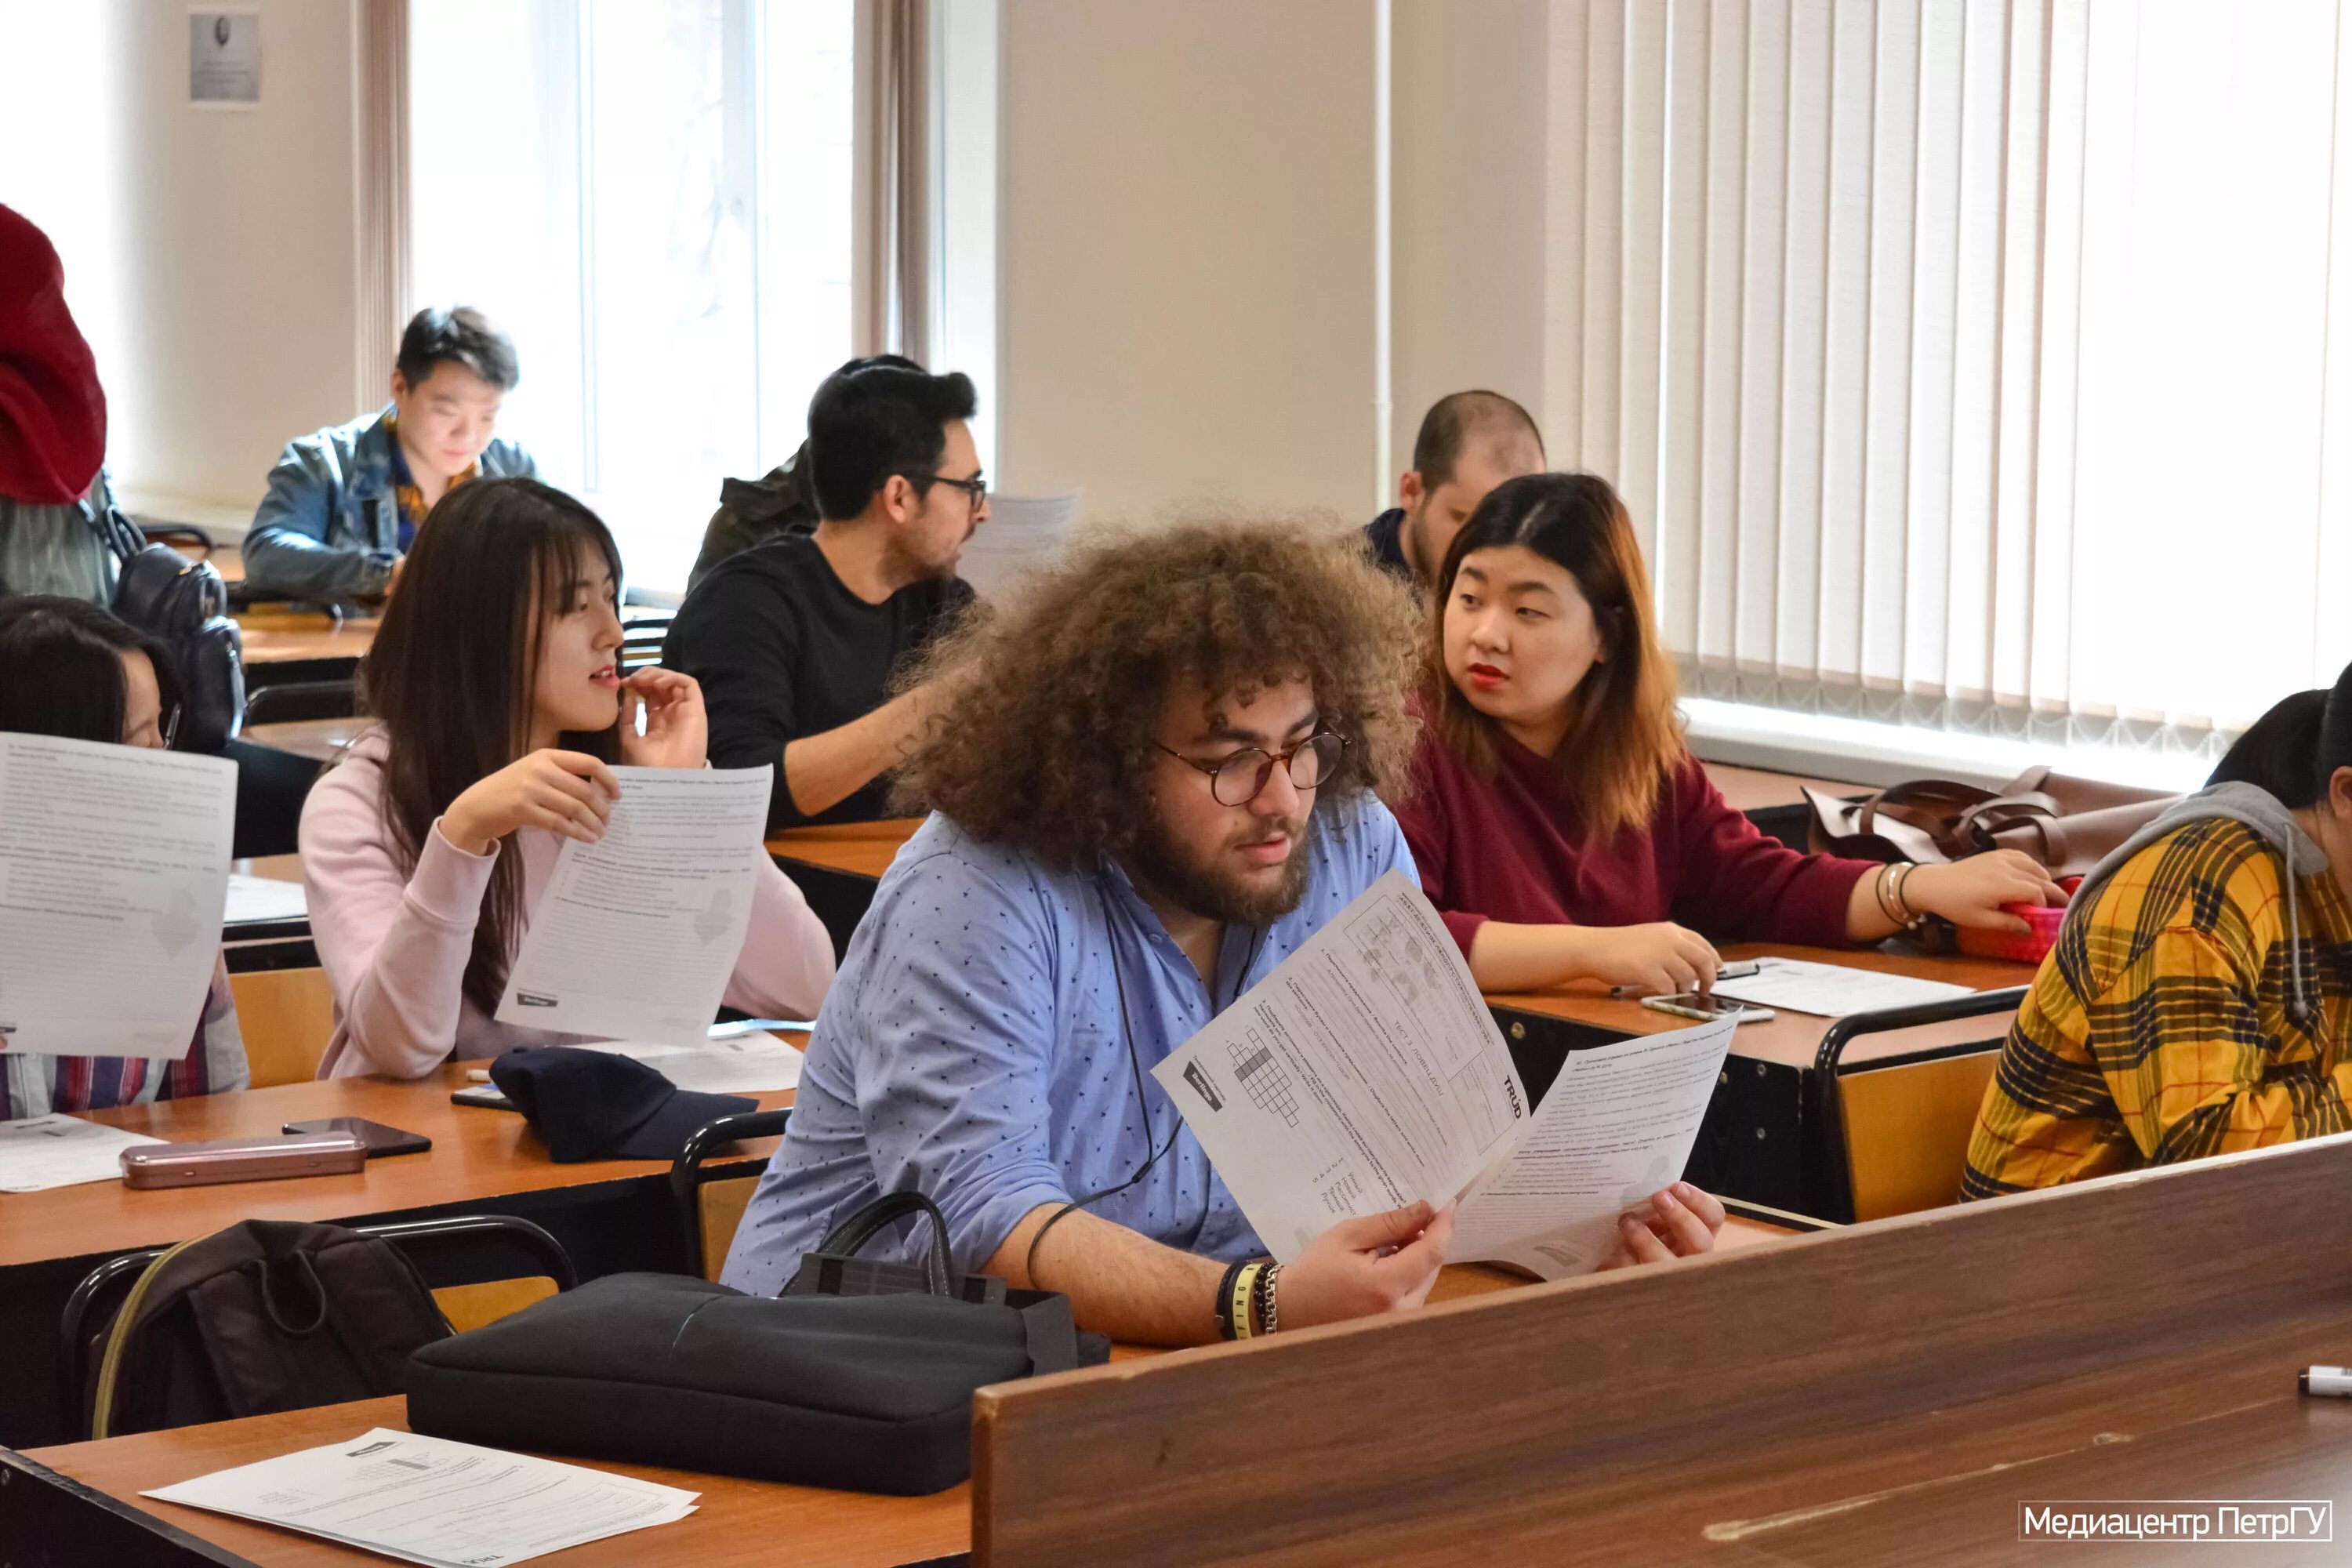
<point>344,504</point>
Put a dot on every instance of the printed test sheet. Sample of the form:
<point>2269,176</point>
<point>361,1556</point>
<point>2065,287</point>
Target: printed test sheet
<point>637,933</point>
<point>430,1500</point>
<point>1363,1074</point>
<point>113,873</point>
<point>1616,1125</point>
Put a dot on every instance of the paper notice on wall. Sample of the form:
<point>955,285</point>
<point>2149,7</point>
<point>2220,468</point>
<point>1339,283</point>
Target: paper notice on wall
<point>224,58</point>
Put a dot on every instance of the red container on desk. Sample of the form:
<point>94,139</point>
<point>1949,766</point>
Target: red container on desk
<point>2029,946</point>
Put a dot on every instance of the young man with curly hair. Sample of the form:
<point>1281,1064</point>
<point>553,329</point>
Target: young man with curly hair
<point>1160,776</point>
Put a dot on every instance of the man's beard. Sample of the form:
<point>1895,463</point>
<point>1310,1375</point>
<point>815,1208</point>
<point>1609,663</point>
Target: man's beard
<point>1196,885</point>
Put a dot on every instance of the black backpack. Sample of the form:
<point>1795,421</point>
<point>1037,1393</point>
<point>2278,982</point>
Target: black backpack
<point>265,1316</point>
<point>184,603</point>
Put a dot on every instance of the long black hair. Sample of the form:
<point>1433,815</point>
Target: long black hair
<point>2294,750</point>
<point>61,668</point>
<point>452,670</point>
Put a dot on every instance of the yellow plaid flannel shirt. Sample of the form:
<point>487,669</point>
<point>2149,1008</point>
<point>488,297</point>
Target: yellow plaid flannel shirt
<point>2159,1029</point>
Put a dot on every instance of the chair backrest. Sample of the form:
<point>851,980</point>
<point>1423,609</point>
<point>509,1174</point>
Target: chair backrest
<point>641,641</point>
<point>1908,1130</point>
<point>285,701</point>
<point>709,1209</point>
<point>459,1257</point>
<point>285,1017</point>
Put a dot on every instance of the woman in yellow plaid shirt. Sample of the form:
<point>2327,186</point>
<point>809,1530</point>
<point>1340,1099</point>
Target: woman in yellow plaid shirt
<point>2199,998</point>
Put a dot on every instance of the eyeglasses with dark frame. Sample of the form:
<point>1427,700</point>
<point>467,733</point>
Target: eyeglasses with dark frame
<point>975,489</point>
<point>1240,778</point>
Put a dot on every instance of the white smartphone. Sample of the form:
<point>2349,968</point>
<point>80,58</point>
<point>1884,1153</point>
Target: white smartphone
<point>1707,1009</point>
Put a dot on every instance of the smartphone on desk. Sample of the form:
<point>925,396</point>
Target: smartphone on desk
<point>380,1140</point>
<point>1707,1009</point>
<point>485,1096</point>
<point>260,1159</point>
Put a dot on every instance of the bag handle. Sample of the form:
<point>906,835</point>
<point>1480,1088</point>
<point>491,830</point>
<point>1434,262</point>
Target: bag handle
<point>850,1236</point>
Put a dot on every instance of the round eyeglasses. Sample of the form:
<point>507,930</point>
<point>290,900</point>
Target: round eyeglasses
<point>1237,779</point>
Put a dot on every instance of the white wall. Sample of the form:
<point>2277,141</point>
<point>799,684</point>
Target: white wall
<point>1468,235</point>
<point>1187,240</point>
<point>209,252</point>
<point>1186,252</point>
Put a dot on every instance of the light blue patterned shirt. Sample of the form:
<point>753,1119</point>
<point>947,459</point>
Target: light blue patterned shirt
<point>973,1047</point>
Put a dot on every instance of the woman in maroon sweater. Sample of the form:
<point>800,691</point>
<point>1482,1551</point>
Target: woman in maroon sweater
<point>1558,822</point>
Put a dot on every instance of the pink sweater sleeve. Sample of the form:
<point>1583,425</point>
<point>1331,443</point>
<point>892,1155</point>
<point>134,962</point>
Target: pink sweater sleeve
<point>394,946</point>
<point>787,962</point>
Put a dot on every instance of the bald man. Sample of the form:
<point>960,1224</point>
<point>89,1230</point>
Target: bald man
<point>1469,443</point>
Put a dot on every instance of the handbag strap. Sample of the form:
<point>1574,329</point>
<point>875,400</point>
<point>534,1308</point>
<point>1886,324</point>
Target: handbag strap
<point>850,1236</point>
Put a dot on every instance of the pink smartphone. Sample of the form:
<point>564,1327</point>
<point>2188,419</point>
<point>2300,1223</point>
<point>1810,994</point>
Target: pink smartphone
<point>258,1159</point>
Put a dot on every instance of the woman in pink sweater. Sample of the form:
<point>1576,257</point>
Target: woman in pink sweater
<point>427,847</point>
<point>1558,822</point>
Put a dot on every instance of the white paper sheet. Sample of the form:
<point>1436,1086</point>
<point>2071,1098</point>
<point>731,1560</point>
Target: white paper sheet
<point>252,898</point>
<point>38,1152</point>
<point>430,1500</point>
<point>113,874</point>
<point>735,1064</point>
<point>1832,990</point>
<point>1363,1074</point>
<point>1616,1127</point>
<point>637,933</point>
<point>1022,534</point>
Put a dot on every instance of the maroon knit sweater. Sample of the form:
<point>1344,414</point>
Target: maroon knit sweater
<point>1514,848</point>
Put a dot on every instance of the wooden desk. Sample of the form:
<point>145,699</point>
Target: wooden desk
<point>270,944</point>
<point>321,740</point>
<point>739,1522</point>
<point>837,868</point>
<point>1844,1145</point>
<point>1754,789</point>
<point>610,1214</point>
<point>1888,1394</point>
<point>280,636</point>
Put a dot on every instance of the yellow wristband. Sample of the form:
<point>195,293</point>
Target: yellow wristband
<point>1244,1289</point>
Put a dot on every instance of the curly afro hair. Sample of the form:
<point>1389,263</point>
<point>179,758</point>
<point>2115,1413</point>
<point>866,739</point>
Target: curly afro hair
<point>1049,710</point>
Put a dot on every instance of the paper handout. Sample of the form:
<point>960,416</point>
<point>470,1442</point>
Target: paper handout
<point>1022,534</point>
<point>38,1152</point>
<point>1363,1074</point>
<point>1832,990</point>
<point>430,1500</point>
<point>1616,1125</point>
<point>113,872</point>
<point>1366,1073</point>
<point>754,1063</point>
<point>637,933</point>
<point>253,899</point>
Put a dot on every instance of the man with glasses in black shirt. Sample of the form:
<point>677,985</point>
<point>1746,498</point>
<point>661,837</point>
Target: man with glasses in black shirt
<point>796,641</point>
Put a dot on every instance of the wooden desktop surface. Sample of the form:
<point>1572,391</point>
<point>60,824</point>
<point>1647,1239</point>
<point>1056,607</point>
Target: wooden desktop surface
<point>475,1154</point>
<point>1791,1039</point>
<point>865,848</point>
<point>321,740</point>
<point>290,639</point>
<point>269,867</point>
<point>858,848</point>
<point>738,1522</point>
<point>1755,789</point>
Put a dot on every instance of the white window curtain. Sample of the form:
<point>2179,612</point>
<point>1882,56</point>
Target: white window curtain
<point>654,199</point>
<point>1984,364</point>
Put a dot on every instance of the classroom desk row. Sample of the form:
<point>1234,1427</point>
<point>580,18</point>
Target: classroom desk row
<point>1892,1394</point>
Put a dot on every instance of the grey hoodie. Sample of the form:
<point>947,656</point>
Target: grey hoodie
<point>2271,821</point>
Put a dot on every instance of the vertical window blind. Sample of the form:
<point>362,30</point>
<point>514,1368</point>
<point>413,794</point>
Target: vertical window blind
<point>1966,364</point>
